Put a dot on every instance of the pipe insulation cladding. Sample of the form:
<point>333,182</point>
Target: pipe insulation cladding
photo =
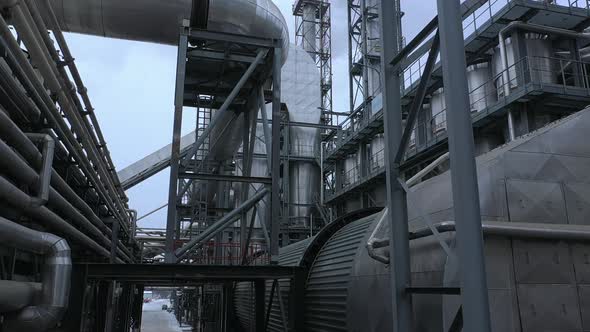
<point>55,275</point>
<point>159,21</point>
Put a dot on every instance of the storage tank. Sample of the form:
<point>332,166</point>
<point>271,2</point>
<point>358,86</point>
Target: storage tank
<point>481,87</point>
<point>438,108</point>
<point>377,159</point>
<point>536,258</point>
<point>539,66</point>
<point>351,169</point>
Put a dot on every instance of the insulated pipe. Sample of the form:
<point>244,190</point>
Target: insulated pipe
<point>23,203</point>
<point>158,21</point>
<point>69,60</point>
<point>35,20</point>
<point>10,132</point>
<point>40,57</point>
<point>25,73</point>
<point>16,168</point>
<point>56,275</point>
<point>16,295</point>
<point>373,240</point>
<point>47,165</point>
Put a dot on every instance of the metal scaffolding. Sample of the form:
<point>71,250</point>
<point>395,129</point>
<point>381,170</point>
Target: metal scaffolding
<point>195,174</point>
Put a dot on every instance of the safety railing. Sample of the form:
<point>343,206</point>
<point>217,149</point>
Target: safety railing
<point>530,72</point>
<point>229,253</point>
<point>479,18</point>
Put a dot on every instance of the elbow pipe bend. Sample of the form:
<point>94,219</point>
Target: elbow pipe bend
<point>56,276</point>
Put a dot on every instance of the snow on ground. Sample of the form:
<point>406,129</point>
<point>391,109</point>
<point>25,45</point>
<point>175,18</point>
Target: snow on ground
<point>157,320</point>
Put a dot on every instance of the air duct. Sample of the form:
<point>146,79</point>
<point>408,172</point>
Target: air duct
<point>56,274</point>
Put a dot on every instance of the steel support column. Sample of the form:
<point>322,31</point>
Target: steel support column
<point>175,156</point>
<point>259,291</point>
<point>396,195</point>
<point>463,169</point>
<point>275,158</point>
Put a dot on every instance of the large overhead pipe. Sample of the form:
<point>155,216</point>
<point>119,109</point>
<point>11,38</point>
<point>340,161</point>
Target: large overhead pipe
<point>56,274</point>
<point>158,21</point>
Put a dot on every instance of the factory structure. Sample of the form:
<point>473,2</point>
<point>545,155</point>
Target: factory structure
<point>452,196</point>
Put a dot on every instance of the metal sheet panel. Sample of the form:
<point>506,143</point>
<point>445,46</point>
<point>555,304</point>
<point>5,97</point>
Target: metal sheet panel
<point>581,258</point>
<point>577,200</point>
<point>542,262</point>
<point>535,201</point>
<point>584,293</point>
<point>549,308</point>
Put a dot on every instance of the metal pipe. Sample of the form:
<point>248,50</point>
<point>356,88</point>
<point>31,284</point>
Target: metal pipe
<point>373,240</point>
<point>437,162</point>
<point>39,56</point>
<point>14,197</point>
<point>47,165</point>
<point>56,276</point>
<point>562,232</point>
<point>35,19</point>
<point>23,70</point>
<point>69,203</point>
<point>158,21</point>
<point>220,224</point>
<point>474,294</point>
<point>16,295</point>
<point>69,60</point>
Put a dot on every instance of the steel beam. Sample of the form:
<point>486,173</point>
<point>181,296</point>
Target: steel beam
<point>463,169</point>
<point>224,177</point>
<point>402,318</point>
<point>418,99</point>
<point>234,38</point>
<point>175,155</point>
<point>266,129</point>
<point>154,274</point>
<point>275,156</point>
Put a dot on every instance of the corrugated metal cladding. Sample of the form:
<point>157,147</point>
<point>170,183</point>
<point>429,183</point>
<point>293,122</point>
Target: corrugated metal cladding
<point>289,256</point>
<point>327,285</point>
<point>244,295</point>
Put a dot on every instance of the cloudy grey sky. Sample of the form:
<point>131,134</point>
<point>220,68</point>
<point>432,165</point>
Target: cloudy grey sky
<point>132,87</point>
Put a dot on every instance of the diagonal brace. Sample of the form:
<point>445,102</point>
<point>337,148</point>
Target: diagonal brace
<point>226,104</point>
<point>418,99</point>
<point>220,224</point>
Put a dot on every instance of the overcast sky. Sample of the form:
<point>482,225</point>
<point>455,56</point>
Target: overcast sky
<point>132,87</point>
